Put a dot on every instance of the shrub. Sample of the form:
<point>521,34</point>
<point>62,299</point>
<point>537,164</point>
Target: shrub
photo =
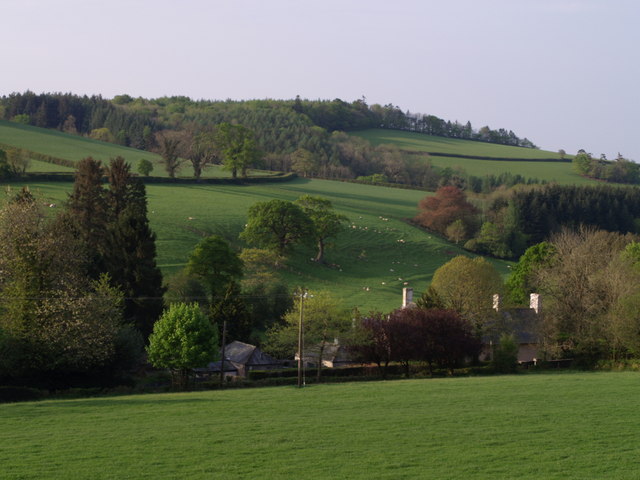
<point>20,394</point>
<point>505,355</point>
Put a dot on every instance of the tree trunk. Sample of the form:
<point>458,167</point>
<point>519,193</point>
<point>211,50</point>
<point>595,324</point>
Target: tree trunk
<point>320,255</point>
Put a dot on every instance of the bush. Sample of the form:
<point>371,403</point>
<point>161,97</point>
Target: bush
<point>20,394</point>
<point>505,355</point>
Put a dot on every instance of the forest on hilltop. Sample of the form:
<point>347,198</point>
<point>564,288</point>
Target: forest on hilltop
<point>303,136</point>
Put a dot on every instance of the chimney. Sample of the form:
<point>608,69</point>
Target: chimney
<point>535,303</point>
<point>407,297</point>
<point>496,302</point>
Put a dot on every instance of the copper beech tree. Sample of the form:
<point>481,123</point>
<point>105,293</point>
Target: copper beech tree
<point>448,205</point>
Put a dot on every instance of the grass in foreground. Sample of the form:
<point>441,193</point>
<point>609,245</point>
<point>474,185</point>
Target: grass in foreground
<point>564,426</point>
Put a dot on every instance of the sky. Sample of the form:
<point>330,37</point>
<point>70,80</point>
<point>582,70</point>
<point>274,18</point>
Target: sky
<point>563,73</point>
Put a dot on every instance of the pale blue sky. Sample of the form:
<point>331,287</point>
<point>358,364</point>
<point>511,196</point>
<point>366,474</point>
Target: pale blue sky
<point>564,73</point>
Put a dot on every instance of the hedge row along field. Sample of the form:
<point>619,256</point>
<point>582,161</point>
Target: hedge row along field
<point>551,426</point>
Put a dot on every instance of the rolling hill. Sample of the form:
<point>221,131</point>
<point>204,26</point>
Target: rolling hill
<point>371,261</point>
<point>490,158</point>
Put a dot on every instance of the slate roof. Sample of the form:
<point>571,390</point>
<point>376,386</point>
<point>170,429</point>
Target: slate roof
<point>523,322</point>
<point>249,355</point>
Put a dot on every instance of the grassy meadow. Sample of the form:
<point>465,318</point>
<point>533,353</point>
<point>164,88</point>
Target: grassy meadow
<point>74,148</point>
<point>420,142</point>
<point>368,264</point>
<point>551,426</point>
<point>525,165</point>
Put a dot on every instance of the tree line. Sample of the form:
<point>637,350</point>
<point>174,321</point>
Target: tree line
<point>619,170</point>
<point>508,222</point>
<point>80,288</point>
<point>298,135</point>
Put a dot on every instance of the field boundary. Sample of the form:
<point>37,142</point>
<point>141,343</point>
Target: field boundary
<point>498,159</point>
<point>42,156</point>
<point>70,177</point>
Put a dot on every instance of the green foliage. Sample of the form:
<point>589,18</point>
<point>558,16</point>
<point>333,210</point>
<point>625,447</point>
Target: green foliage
<point>326,223</point>
<point>237,147</point>
<point>467,286</point>
<point>182,339</point>
<point>522,280</point>
<point>582,163</point>
<point>215,264</point>
<point>22,119</point>
<point>145,167</point>
<point>490,241</point>
<point>324,321</point>
<point>277,225</point>
<point>505,354</point>
<point>181,214</point>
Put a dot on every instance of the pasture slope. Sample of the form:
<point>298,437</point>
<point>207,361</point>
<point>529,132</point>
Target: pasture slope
<point>368,264</point>
<point>538,426</point>
<point>73,147</point>
<point>498,159</point>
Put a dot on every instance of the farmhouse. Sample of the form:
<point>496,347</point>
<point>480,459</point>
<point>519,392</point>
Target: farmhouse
<point>333,355</point>
<point>523,323</point>
<point>240,359</point>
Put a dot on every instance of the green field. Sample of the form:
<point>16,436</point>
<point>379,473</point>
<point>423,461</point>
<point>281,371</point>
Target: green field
<point>73,147</point>
<point>428,143</point>
<point>371,260</point>
<point>560,172</point>
<point>69,147</point>
<point>551,426</point>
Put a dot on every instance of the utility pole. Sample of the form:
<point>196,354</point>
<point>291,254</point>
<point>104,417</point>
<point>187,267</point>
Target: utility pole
<point>300,337</point>
<point>224,340</point>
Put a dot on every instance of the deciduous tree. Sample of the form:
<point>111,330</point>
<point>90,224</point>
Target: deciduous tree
<point>277,225</point>
<point>449,204</point>
<point>326,223</point>
<point>237,147</point>
<point>324,321</point>
<point>467,286</point>
<point>182,339</point>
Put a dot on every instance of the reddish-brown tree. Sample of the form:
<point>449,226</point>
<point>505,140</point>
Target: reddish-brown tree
<point>449,204</point>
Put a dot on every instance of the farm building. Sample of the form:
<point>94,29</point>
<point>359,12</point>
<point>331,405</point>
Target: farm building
<point>240,359</point>
<point>524,323</point>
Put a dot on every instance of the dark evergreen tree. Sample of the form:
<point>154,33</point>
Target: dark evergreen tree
<point>130,256</point>
<point>87,209</point>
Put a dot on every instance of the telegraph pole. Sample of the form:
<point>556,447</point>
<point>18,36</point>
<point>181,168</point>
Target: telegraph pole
<point>224,340</point>
<point>300,344</point>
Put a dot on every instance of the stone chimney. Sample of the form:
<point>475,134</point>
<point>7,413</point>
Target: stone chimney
<point>407,297</point>
<point>535,302</point>
<point>497,303</point>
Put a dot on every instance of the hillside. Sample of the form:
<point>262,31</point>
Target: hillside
<point>74,147</point>
<point>371,260</point>
<point>528,162</point>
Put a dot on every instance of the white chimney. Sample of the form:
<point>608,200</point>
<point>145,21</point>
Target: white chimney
<point>407,297</point>
<point>496,302</point>
<point>535,302</point>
